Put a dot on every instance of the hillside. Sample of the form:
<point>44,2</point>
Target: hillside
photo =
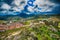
<point>41,28</point>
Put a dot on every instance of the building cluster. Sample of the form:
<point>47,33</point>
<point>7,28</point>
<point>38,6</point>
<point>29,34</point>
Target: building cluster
<point>10,26</point>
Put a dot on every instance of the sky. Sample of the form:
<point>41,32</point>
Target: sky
<point>15,7</point>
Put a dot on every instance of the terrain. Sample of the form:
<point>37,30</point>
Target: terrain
<point>34,28</point>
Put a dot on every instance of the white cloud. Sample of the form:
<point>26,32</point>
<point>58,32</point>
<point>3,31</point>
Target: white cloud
<point>5,6</point>
<point>31,9</point>
<point>16,2</point>
<point>3,11</point>
<point>44,5</point>
<point>19,4</point>
<point>30,2</point>
<point>28,13</point>
<point>16,9</point>
<point>49,10</point>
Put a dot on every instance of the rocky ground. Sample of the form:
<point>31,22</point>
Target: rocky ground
<point>37,29</point>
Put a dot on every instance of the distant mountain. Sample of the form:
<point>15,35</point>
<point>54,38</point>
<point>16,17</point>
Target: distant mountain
<point>24,15</point>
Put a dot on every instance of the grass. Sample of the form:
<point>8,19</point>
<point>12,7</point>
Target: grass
<point>42,33</point>
<point>34,33</point>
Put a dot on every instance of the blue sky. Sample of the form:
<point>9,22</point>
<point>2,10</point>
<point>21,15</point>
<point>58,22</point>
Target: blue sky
<point>15,7</point>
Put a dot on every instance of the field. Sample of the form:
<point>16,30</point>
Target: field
<point>34,28</point>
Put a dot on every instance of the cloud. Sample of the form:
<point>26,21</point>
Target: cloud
<point>31,9</point>
<point>15,9</point>
<point>27,6</point>
<point>45,5</point>
<point>15,6</point>
<point>5,6</point>
<point>19,4</point>
<point>55,1</point>
<point>56,9</point>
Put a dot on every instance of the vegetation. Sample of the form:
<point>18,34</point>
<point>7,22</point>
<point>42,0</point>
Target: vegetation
<point>38,29</point>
